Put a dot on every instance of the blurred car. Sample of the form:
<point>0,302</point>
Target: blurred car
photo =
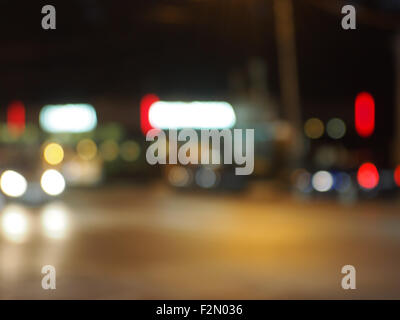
<point>24,178</point>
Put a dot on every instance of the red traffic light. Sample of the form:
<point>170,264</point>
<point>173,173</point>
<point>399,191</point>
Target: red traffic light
<point>365,114</point>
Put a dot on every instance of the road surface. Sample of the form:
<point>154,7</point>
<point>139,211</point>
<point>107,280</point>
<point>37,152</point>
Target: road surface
<point>134,242</point>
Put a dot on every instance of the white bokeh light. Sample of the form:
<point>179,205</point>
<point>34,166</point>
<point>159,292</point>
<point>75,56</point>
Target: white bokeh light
<point>13,184</point>
<point>52,182</point>
<point>322,181</point>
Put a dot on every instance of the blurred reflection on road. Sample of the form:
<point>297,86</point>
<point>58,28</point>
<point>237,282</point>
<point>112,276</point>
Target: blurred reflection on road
<point>137,243</point>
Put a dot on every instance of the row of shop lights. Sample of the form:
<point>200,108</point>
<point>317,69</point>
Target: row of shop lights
<point>368,178</point>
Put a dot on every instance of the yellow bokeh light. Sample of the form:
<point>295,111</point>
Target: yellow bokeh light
<point>53,153</point>
<point>130,151</point>
<point>109,150</point>
<point>314,128</point>
<point>87,149</point>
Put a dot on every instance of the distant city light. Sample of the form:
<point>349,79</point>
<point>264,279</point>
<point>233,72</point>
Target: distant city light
<point>336,128</point>
<point>86,149</point>
<point>301,179</point>
<point>368,176</point>
<point>16,118</point>
<point>397,175</point>
<point>342,182</point>
<point>179,176</point>
<point>326,156</point>
<point>195,115</point>
<point>365,114</point>
<point>314,128</point>
<point>129,151</point>
<point>13,184</point>
<point>72,118</point>
<point>109,150</point>
<point>52,182</point>
<point>322,181</point>
<point>206,177</point>
<point>53,153</point>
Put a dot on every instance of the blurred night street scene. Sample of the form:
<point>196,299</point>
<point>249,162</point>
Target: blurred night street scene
<point>77,189</point>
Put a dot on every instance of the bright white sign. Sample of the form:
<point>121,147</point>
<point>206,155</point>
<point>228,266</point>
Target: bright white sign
<point>194,115</point>
<point>68,118</point>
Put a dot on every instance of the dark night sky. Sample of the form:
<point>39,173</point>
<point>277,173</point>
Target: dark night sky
<point>188,48</point>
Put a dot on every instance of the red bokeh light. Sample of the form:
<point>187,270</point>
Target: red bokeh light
<point>145,105</point>
<point>16,118</point>
<point>364,114</point>
<point>368,176</point>
<point>397,175</point>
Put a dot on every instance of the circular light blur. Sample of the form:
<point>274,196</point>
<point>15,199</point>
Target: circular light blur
<point>336,128</point>
<point>314,128</point>
<point>397,175</point>
<point>342,182</point>
<point>14,223</point>
<point>130,151</point>
<point>326,156</point>
<point>301,179</point>
<point>109,150</point>
<point>52,182</point>
<point>368,176</point>
<point>54,220</point>
<point>86,149</point>
<point>322,181</point>
<point>206,178</point>
<point>13,184</point>
<point>179,176</point>
<point>53,153</point>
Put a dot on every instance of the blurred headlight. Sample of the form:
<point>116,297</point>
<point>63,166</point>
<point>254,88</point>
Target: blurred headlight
<point>13,184</point>
<point>52,182</point>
